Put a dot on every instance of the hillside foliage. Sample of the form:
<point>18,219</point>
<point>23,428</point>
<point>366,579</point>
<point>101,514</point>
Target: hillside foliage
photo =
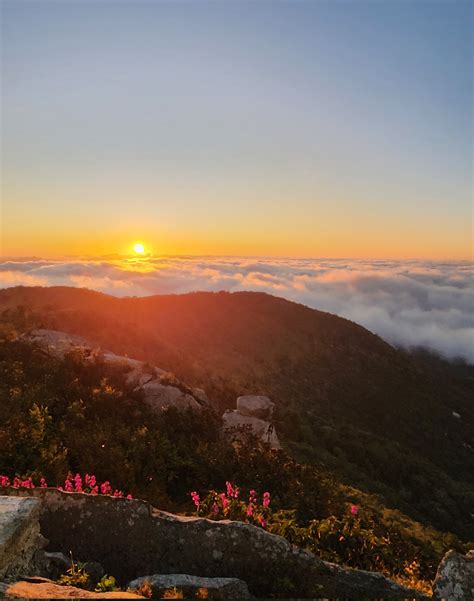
<point>60,416</point>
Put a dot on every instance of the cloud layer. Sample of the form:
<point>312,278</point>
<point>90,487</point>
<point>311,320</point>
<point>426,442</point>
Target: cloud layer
<point>414,303</point>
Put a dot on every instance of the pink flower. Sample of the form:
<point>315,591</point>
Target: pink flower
<point>16,482</point>
<point>4,481</point>
<point>250,510</point>
<point>266,499</point>
<point>354,509</point>
<point>129,497</point>
<point>215,508</point>
<point>68,487</point>
<point>105,488</point>
<point>196,499</point>
<point>43,483</point>
<point>224,500</point>
<point>90,481</point>
<point>78,482</point>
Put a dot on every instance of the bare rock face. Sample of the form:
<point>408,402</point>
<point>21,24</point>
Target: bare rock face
<point>59,343</point>
<point>216,589</point>
<point>255,406</point>
<point>253,414</point>
<point>160,389</point>
<point>42,588</point>
<point>455,577</point>
<point>131,539</point>
<point>234,421</point>
<point>20,538</point>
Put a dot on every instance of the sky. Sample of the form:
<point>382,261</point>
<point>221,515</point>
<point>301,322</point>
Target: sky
<point>276,128</point>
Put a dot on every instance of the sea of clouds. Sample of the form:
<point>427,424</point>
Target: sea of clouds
<point>408,303</point>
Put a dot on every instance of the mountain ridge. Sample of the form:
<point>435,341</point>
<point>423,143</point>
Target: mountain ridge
<point>344,397</point>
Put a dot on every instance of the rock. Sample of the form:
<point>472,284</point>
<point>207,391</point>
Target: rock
<point>20,538</point>
<point>217,589</point>
<point>263,430</point>
<point>369,585</point>
<point>160,396</point>
<point>160,388</point>
<point>255,406</point>
<point>201,396</point>
<point>51,565</point>
<point>455,577</point>
<point>59,343</point>
<point>46,589</point>
<point>140,540</point>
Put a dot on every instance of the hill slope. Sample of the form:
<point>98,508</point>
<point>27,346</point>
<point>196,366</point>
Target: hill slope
<point>345,398</point>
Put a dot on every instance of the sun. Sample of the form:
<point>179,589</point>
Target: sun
<point>139,248</point>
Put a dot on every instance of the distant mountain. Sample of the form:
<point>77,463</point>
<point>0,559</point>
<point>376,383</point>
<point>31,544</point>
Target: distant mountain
<point>379,418</point>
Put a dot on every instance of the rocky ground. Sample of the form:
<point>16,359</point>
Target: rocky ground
<point>150,551</point>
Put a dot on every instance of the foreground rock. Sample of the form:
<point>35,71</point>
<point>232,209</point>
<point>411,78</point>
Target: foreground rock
<point>215,589</point>
<point>131,539</point>
<point>455,577</point>
<point>41,588</point>
<point>254,415</point>
<point>20,538</point>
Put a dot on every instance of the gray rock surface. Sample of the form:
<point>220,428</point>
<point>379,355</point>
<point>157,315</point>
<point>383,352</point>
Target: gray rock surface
<point>59,343</point>
<point>233,421</point>
<point>217,589</point>
<point>160,389</point>
<point>160,396</point>
<point>455,577</point>
<point>20,538</point>
<point>132,539</point>
<point>255,406</point>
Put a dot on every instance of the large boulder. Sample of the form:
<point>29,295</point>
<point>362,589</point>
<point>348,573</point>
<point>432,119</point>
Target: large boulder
<point>214,589</point>
<point>455,577</point>
<point>236,424</point>
<point>257,406</point>
<point>20,538</point>
<point>132,539</point>
<point>160,396</point>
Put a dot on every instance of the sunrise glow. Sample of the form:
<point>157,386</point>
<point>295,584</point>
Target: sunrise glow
<point>139,248</point>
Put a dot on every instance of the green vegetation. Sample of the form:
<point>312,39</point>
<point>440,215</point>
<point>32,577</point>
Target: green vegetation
<point>59,416</point>
<point>377,418</point>
<point>76,576</point>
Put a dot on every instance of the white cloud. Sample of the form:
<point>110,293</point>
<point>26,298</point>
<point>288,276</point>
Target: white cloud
<point>407,303</point>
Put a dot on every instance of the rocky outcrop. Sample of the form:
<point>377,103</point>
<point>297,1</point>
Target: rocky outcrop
<point>214,589</point>
<point>254,415</point>
<point>256,406</point>
<point>131,539</point>
<point>160,389</point>
<point>20,538</point>
<point>42,588</point>
<point>455,577</point>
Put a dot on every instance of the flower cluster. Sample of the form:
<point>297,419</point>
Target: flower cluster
<point>77,483</point>
<point>196,499</point>
<point>229,505</point>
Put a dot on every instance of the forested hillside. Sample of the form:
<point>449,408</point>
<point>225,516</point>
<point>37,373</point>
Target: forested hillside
<point>346,401</point>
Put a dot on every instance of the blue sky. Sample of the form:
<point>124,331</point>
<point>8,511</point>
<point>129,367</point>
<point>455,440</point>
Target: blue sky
<point>294,128</point>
